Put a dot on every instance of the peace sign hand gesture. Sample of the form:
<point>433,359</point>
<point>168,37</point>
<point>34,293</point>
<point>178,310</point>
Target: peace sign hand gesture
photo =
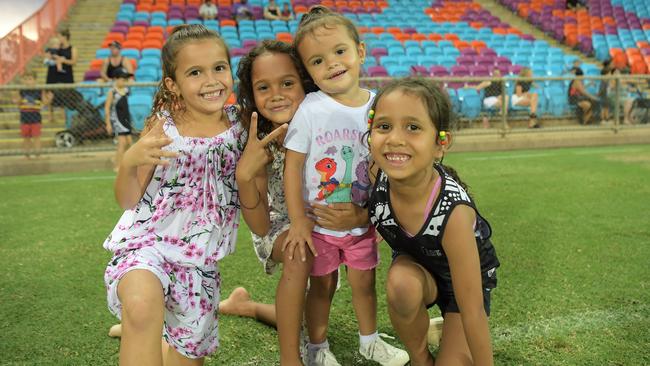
<point>148,150</point>
<point>256,154</point>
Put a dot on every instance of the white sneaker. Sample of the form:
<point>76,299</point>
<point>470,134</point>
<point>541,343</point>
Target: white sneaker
<point>435,331</point>
<point>383,353</point>
<point>321,357</point>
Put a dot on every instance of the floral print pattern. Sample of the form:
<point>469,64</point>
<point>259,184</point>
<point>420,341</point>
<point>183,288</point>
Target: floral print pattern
<point>188,215</point>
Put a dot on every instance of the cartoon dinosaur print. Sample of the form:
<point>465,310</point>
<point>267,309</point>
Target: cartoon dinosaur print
<point>343,191</point>
<point>326,167</point>
<point>361,186</point>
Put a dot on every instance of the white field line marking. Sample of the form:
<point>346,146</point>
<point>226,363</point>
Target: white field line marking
<point>585,321</point>
<point>505,157</point>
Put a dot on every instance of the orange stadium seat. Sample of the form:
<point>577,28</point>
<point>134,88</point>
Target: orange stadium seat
<point>327,3</point>
<point>152,43</point>
<point>135,36</point>
<point>156,29</point>
<point>228,22</point>
<point>377,30</point>
<point>284,37</point>
<point>300,9</point>
<point>418,37</point>
<point>138,29</point>
<point>194,2</point>
<point>96,64</point>
<point>132,44</point>
<point>144,7</point>
<point>160,7</point>
<point>435,37</point>
<point>451,37</point>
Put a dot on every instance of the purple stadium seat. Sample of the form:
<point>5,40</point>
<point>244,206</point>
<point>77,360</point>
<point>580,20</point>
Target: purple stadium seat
<point>144,23</point>
<point>377,71</point>
<point>378,52</point>
<point>439,71</point>
<point>418,70</point>
<point>92,75</point>
<point>248,44</point>
<point>236,51</point>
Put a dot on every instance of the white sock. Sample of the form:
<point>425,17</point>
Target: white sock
<point>365,340</point>
<point>315,347</point>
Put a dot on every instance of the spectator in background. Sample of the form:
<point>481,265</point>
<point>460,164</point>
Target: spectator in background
<point>603,90</point>
<point>66,54</point>
<point>208,10</point>
<point>115,62</point>
<point>523,97</point>
<point>29,103</point>
<point>493,95</point>
<point>242,11</point>
<point>271,11</point>
<point>581,98</point>
<point>118,117</point>
<point>285,13</point>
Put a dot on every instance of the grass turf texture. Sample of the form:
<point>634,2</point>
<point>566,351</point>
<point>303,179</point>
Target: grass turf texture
<point>570,228</point>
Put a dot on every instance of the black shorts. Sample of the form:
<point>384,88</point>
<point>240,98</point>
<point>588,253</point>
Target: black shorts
<point>446,300</point>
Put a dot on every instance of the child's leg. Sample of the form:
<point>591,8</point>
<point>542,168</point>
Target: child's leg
<point>140,293</point>
<point>409,288</point>
<point>364,299</point>
<point>36,140</point>
<point>290,299</point>
<point>453,345</point>
<point>319,301</point>
<point>173,358</point>
<point>27,146</point>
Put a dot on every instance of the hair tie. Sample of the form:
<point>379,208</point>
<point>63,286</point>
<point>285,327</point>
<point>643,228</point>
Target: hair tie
<point>371,116</point>
<point>442,136</point>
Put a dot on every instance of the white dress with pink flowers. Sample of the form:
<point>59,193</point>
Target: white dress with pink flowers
<point>185,222</point>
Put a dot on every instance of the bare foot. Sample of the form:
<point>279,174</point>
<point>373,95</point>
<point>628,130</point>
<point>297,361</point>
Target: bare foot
<point>237,303</point>
<point>115,331</point>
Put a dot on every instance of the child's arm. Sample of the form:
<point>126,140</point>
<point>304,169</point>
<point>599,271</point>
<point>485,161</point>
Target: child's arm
<point>301,226</point>
<point>138,165</point>
<point>459,244</point>
<point>107,112</point>
<point>252,180</point>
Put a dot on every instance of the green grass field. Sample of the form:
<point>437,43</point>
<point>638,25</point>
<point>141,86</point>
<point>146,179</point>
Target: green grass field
<point>571,228</point>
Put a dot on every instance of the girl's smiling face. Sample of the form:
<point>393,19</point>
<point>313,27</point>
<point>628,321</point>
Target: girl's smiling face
<point>277,87</point>
<point>203,77</point>
<point>403,137</point>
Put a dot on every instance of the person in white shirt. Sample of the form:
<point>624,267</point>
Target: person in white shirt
<point>208,10</point>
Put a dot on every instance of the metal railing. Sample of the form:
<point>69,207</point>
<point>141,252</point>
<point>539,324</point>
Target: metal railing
<point>75,119</point>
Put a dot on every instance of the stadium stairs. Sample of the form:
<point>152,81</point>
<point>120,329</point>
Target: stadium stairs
<point>88,22</point>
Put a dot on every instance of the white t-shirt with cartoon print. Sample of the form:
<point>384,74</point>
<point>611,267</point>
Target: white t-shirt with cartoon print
<point>336,165</point>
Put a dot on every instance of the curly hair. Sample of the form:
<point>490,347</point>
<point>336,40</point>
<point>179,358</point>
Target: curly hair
<point>246,96</point>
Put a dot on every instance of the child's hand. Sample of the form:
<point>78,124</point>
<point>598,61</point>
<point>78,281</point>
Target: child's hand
<point>148,149</point>
<point>339,216</point>
<point>256,154</point>
<point>300,235</point>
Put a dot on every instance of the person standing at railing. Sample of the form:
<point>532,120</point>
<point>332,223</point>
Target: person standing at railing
<point>66,55</point>
<point>118,118</point>
<point>493,95</point>
<point>30,102</point>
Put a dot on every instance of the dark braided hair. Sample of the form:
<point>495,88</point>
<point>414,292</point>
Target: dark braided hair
<point>246,96</point>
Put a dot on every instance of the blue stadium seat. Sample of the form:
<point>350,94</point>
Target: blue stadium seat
<point>140,107</point>
<point>131,53</point>
<point>151,52</point>
<point>102,53</point>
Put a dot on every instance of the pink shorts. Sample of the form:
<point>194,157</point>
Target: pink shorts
<point>358,252</point>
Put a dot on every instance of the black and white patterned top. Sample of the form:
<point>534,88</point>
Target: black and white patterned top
<point>426,246</point>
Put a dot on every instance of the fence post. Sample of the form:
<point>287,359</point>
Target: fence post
<point>504,107</point>
<point>617,107</point>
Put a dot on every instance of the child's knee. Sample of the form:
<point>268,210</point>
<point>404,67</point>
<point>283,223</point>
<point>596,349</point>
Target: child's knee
<point>141,311</point>
<point>296,266</point>
<point>403,296</point>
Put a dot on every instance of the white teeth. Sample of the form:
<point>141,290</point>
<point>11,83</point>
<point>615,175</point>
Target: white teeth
<point>397,157</point>
<point>213,94</point>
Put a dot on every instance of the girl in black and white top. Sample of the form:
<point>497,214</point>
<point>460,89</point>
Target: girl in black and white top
<point>441,247</point>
